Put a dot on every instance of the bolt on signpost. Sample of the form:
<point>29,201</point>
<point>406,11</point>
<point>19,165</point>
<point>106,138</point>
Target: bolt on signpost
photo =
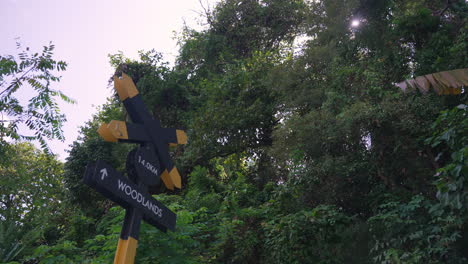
<point>146,165</point>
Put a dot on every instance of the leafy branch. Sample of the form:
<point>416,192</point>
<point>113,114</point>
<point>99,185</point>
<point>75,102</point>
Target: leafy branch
<point>41,114</point>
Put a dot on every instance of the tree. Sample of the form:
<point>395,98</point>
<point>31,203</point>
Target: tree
<point>31,196</point>
<point>31,187</point>
<point>310,152</point>
<point>41,114</point>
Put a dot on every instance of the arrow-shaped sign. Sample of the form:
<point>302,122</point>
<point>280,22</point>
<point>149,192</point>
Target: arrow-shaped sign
<point>129,195</point>
<point>144,129</point>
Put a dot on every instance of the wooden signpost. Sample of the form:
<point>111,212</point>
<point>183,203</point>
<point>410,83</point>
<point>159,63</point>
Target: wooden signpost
<point>146,166</point>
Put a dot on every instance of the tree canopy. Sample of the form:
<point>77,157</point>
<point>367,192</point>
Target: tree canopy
<point>302,148</point>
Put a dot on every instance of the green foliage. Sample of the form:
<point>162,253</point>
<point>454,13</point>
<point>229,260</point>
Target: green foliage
<point>31,181</point>
<point>204,191</point>
<point>298,153</point>
<point>250,26</point>
<point>64,252</point>
<point>31,192</point>
<point>11,240</point>
<point>314,236</point>
<point>240,237</point>
<point>90,147</point>
<point>234,112</point>
<point>171,247</point>
<point>451,138</point>
<point>417,231</point>
<point>41,114</point>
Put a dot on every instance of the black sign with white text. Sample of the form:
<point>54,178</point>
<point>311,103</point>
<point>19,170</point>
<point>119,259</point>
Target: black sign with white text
<point>146,165</point>
<point>106,180</point>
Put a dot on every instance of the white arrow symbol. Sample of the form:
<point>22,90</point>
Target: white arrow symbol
<point>103,173</point>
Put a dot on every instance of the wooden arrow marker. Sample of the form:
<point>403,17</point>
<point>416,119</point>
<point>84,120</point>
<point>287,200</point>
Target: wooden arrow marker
<point>144,129</point>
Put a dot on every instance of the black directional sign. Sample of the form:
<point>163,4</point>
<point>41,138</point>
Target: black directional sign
<point>146,165</point>
<point>121,190</point>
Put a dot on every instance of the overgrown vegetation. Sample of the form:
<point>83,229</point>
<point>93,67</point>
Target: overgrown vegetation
<point>301,148</point>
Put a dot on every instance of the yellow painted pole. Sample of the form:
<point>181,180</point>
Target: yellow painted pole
<point>126,248</point>
<point>126,251</point>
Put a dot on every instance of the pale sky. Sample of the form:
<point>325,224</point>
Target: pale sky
<point>84,33</point>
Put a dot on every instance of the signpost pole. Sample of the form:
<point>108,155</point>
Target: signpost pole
<point>128,241</point>
<point>146,165</point>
